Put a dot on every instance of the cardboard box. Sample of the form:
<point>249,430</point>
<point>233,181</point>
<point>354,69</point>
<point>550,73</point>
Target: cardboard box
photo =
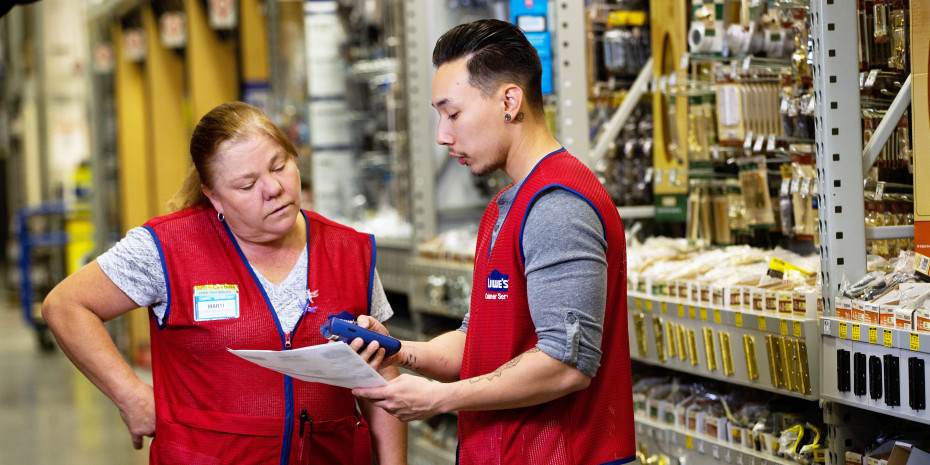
<point>886,315</point>
<point>843,308</point>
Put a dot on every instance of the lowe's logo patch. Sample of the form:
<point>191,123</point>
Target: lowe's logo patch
<point>498,282</point>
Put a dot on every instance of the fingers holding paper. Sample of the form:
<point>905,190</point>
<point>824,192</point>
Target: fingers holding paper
<point>406,397</point>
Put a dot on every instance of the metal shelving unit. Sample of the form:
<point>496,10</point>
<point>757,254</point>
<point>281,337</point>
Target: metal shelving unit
<point>864,366</point>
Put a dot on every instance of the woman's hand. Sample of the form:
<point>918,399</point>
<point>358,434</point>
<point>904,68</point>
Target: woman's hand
<point>138,413</point>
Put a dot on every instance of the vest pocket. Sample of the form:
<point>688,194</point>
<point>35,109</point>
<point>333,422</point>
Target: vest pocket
<point>343,440</point>
<point>197,443</point>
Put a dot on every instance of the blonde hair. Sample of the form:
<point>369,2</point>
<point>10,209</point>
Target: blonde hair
<point>229,122</point>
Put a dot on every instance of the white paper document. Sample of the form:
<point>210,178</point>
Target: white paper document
<point>334,364</point>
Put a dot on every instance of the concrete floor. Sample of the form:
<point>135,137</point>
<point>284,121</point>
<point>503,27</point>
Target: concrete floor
<point>49,412</point>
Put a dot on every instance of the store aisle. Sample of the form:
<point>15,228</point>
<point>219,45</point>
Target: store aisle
<point>50,413</point>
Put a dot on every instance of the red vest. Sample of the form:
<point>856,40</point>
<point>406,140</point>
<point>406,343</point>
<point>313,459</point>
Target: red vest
<point>591,426</point>
<point>213,407</point>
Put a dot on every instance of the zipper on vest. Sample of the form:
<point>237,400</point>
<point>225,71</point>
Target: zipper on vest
<point>287,340</point>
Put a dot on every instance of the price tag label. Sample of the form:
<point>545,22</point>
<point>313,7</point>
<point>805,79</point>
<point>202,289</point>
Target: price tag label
<point>761,323</point>
<point>739,458</point>
<point>691,312</point>
<point>886,337</point>
<point>915,342</point>
<point>797,328</point>
<point>689,442</point>
<point>873,335</point>
<point>717,317</point>
<point>826,328</point>
<point>728,456</point>
<point>664,308</point>
<point>843,331</point>
<point>649,306</point>
<point>681,311</point>
<point>739,319</point>
<point>715,452</point>
<point>855,331</point>
<point>673,438</point>
<point>703,314</point>
<point>783,327</point>
<point>700,447</point>
<point>639,303</point>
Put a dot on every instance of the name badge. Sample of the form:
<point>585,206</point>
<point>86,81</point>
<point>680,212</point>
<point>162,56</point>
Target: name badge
<point>216,302</point>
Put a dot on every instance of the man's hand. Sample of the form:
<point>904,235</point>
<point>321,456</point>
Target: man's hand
<point>138,413</point>
<point>407,397</point>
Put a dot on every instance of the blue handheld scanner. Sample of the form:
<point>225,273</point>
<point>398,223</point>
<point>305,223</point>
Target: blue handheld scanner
<point>342,327</point>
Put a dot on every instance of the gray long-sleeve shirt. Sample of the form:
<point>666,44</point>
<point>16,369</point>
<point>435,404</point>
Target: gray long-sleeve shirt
<point>566,275</point>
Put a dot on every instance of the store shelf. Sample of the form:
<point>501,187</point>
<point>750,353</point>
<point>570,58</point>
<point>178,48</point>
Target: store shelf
<point>440,287</point>
<point>900,358</point>
<point>392,263</point>
<point>783,339</point>
<point>700,448</point>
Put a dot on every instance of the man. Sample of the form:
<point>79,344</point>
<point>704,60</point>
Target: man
<point>529,372</point>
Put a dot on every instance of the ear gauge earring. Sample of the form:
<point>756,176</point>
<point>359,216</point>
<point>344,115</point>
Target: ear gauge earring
<point>507,117</point>
<point>220,216</point>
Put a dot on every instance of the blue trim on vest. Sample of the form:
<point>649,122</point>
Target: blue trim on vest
<point>621,461</point>
<point>371,269</point>
<point>164,269</point>
<point>529,206</point>
<point>288,381</point>
<point>562,149</point>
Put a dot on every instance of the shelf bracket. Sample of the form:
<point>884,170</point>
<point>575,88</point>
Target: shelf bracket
<point>884,130</point>
<point>622,113</point>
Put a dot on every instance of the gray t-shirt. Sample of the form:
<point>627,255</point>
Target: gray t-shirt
<point>134,265</point>
<point>566,275</point>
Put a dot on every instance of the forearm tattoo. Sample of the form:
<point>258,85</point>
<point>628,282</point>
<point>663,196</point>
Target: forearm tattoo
<point>498,372</point>
<point>410,362</point>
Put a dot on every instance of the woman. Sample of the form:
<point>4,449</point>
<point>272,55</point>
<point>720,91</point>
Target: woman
<point>239,266</point>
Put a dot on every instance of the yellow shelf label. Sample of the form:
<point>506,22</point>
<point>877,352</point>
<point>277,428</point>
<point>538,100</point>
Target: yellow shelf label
<point>783,327</point>
<point>691,312</point>
<point>681,311</point>
<point>873,335</point>
<point>855,331</point>
<point>843,332</point>
<point>797,329</point>
<point>915,341</point>
<point>689,442</point>
<point>761,323</point>
<point>703,314</point>
<point>639,303</point>
<point>739,319</point>
<point>649,306</point>
<point>664,308</point>
<point>886,337</point>
<point>717,317</point>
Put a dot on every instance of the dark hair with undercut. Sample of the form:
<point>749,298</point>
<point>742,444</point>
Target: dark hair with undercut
<point>497,53</point>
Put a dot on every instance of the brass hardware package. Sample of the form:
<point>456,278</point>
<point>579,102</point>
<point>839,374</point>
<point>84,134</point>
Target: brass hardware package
<point>749,350</point>
<point>725,354</point>
<point>692,347</point>
<point>639,327</point>
<point>709,351</point>
<point>803,371</point>
<point>789,348</point>
<point>670,339</point>
<point>776,360</point>
<point>682,346</point>
<point>660,338</point>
